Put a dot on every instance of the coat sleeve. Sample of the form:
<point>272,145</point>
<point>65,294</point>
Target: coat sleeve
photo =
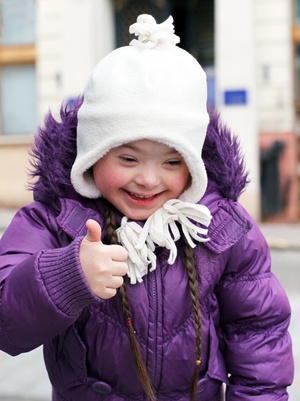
<point>255,315</point>
<point>42,287</point>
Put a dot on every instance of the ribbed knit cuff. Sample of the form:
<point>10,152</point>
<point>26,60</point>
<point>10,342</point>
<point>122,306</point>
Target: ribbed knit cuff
<point>64,280</point>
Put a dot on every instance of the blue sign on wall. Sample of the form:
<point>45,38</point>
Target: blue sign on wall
<point>235,97</point>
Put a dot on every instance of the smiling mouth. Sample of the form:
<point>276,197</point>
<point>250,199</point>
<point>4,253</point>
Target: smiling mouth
<point>141,197</point>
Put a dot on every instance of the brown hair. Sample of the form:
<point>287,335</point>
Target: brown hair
<point>141,370</point>
<point>194,292</point>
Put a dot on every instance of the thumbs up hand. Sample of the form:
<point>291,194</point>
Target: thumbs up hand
<point>103,265</point>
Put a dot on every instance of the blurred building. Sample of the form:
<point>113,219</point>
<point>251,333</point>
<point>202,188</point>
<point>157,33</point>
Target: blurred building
<point>250,50</point>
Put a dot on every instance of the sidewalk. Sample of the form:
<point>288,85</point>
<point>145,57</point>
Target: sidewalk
<point>281,236</point>
<point>6,216</point>
<point>24,377</point>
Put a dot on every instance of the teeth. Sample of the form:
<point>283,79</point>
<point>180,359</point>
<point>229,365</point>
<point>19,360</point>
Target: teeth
<point>141,196</point>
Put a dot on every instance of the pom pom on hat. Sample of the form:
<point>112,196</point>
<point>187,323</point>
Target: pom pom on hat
<point>151,34</point>
<point>151,90</point>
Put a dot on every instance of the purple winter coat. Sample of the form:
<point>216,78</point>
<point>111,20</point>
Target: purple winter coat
<point>45,298</point>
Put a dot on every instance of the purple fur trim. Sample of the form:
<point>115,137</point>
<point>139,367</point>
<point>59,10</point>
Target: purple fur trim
<point>223,159</point>
<point>53,154</point>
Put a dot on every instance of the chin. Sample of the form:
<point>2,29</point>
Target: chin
<point>139,216</point>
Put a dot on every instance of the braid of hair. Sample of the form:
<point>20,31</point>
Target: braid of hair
<point>138,362</point>
<point>194,292</point>
<point>110,224</point>
<point>141,370</point>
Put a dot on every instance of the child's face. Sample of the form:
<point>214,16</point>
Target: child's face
<point>139,177</point>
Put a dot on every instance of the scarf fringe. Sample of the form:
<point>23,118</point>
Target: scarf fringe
<point>161,229</point>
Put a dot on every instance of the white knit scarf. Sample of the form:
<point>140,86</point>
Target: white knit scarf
<point>160,229</point>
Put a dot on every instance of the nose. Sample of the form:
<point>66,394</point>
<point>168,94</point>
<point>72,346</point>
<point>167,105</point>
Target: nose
<point>148,178</point>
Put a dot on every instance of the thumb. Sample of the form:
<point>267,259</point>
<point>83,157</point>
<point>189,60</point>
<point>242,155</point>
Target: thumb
<point>94,231</point>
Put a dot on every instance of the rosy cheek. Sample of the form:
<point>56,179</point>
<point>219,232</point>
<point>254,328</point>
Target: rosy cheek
<point>116,178</point>
<point>111,180</point>
<point>180,183</point>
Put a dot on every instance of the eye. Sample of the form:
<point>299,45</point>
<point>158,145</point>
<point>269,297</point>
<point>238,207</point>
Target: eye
<point>174,162</point>
<point>128,159</point>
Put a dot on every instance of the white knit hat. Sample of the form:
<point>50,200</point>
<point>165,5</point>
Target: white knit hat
<point>151,90</point>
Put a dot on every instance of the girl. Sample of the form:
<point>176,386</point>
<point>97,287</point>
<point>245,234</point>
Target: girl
<point>135,266</point>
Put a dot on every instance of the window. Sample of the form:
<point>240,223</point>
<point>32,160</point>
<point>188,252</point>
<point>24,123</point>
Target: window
<point>297,12</point>
<point>18,99</point>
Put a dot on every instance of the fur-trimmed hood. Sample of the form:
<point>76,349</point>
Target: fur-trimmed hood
<point>54,151</point>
